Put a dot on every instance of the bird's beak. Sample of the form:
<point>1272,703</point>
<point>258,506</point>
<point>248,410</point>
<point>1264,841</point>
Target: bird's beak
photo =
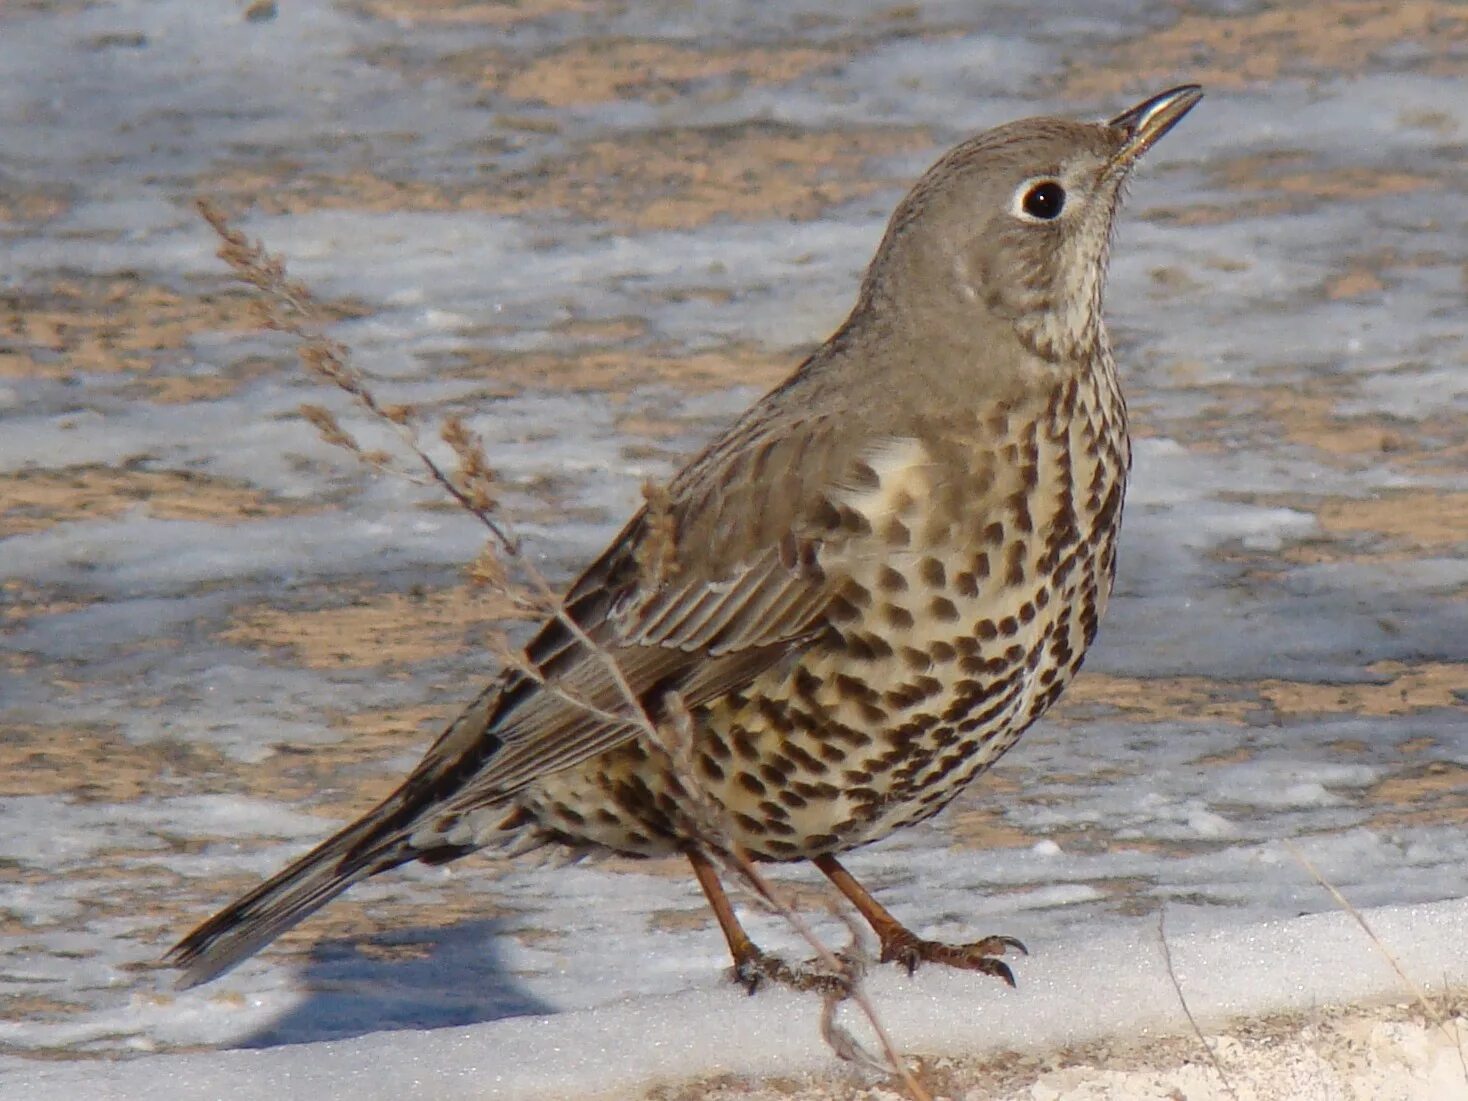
<point>1140,127</point>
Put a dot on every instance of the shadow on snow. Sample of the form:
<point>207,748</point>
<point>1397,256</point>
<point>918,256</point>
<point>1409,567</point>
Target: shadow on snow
<point>416,978</point>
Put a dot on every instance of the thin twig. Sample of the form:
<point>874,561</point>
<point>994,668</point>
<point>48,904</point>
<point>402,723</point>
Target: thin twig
<point>1187,1010</point>
<point>858,994</point>
<point>1434,1016</point>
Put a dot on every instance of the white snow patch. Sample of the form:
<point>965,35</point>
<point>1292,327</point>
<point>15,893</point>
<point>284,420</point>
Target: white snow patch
<point>1114,984</point>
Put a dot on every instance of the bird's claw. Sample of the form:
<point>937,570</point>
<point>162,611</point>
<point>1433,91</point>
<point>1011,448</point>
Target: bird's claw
<point>908,950</point>
<point>758,968</point>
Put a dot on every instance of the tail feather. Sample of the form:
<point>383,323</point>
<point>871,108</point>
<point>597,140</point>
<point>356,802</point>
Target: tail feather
<point>389,835</point>
<point>249,923</point>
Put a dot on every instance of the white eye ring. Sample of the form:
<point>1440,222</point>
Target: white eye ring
<point>1038,200</point>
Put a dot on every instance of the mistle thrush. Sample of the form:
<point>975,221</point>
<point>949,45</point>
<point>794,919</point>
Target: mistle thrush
<point>875,580</point>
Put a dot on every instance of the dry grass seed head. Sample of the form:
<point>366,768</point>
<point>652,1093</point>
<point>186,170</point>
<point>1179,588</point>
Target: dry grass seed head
<point>475,479</point>
<point>329,428</point>
<point>289,303</point>
<point>657,554</point>
<point>488,570</point>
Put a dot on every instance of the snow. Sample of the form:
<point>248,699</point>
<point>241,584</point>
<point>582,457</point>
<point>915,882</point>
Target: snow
<point>1267,685</point>
<point>1121,978</point>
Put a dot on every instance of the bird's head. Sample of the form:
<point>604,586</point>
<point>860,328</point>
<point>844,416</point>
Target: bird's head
<point>1014,226</point>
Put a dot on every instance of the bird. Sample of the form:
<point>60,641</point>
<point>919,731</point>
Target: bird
<point>855,599</point>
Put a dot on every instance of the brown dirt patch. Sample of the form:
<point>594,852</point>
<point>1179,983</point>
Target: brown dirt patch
<point>395,629</point>
<point>1284,184</point>
<point>1356,283</point>
<point>687,178</point>
<point>107,324</point>
<point>1314,421</point>
<point>491,13</point>
<point>618,371</point>
<point>33,500</point>
<point>671,179</point>
<point>95,765</point>
<point>1273,42</point>
<point>985,828</point>
<point>1308,412</point>
<point>1425,519</point>
<point>1435,794</point>
<point>1435,779</point>
<point>1213,214</point>
<point>339,779</point>
<point>162,389</point>
<point>609,70</point>
<point>1411,688</point>
<point>21,602</point>
<point>680,921</point>
<point>1406,689</point>
<point>1291,173</point>
<point>31,206</point>
<point>122,324</point>
<point>1159,699</point>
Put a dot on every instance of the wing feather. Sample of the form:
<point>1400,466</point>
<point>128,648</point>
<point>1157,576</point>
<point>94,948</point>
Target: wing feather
<point>735,630</point>
<point>736,601</point>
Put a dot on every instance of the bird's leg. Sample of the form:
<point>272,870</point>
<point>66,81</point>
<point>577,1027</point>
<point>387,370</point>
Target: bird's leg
<point>753,967</point>
<point>901,945</point>
<point>750,964</point>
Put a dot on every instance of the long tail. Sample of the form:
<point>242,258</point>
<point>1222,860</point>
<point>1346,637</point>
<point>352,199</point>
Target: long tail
<point>381,839</point>
<point>248,924</point>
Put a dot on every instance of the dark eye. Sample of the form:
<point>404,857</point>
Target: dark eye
<point>1044,200</point>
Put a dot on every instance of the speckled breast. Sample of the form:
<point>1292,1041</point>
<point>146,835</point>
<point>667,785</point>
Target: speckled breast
<point>976,562</point>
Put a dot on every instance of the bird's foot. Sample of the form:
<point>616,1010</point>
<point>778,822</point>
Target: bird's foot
<point>907,949</point>
<point>757,968</point>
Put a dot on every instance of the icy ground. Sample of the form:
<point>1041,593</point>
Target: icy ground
<point>599,231</point>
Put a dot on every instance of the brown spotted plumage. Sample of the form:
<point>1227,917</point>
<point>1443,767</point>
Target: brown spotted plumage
<point>866,589</point>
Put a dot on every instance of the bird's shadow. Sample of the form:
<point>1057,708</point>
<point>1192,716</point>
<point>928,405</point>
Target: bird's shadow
<point>414,978</point>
